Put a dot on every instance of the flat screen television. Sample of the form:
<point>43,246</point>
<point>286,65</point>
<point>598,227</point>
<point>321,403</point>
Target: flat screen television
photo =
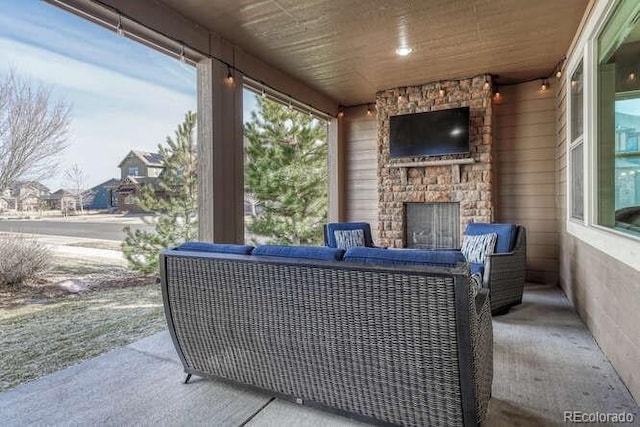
<point>433,133</point>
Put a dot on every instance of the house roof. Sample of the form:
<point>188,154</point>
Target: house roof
<point>147,157</point>
<point>19,184</point>
<point>136,181</point>
<point>110,183</point>
<point>347,49</point>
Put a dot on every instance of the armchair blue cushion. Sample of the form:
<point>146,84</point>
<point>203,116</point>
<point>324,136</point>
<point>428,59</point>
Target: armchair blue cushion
<point>332,227</point>
<point>506,234</point>
<point>476,268</point>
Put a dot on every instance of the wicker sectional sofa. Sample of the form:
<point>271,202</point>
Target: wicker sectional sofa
<point>394,344</point>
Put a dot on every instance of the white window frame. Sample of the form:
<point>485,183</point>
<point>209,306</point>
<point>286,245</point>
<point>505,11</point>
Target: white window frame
<point>619,245</point>
<point>572,144</point>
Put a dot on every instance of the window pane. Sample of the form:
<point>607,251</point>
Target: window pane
<point>577,178</point>
<point>576,103</point>
<point>619,125</point>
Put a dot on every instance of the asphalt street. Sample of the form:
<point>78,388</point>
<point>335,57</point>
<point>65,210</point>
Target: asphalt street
<point>94,230</point>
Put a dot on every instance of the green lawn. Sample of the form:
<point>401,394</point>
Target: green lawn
<point>50,332</point>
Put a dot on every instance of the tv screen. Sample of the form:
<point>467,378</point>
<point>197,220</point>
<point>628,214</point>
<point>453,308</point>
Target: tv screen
<point>433,133</point>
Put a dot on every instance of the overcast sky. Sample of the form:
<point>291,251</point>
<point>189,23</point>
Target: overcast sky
<point>123,94</point>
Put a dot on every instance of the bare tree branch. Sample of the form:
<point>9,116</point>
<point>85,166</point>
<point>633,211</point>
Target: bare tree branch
<point>33,130</point>
<point>77,180</point>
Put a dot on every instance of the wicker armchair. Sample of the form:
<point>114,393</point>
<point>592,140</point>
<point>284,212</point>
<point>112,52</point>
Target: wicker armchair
<point>504,271</point>
<point>331,228</point>
<point>400,345</point>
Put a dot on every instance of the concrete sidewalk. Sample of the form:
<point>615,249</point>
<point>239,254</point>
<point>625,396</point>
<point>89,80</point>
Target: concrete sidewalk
<point>73,247</point>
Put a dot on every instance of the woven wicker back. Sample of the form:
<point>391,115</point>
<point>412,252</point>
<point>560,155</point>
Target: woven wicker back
<point>379,343</point>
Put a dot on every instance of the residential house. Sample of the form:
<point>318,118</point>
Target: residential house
<point>63,199</point>
<point>102,196</point>
<point>28,195</point>
<point>549,84</point>
<point>137,169</point>
<point>7,203</point>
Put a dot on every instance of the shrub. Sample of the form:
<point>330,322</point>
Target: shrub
<point>21,258</point>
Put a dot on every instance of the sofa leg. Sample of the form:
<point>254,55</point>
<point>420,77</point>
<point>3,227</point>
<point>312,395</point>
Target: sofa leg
<point>186,380</point>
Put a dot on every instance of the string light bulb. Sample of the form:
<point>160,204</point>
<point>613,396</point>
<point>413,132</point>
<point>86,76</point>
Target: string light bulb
<point>632,76</point>
<point>496,95</point>
<point>559,73</point>
<point>290,107</point>
<point>487,85</point>
<point>120,29</point>
<point>229,75</point>
<point>341,112</point>
<point>263,93</point>
<point>441,92</point>
<point>369,113</point>
<point>182,58</point>
<point>544,85</point>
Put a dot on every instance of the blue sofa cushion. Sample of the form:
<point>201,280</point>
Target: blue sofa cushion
<point>506,234</point>
<point>379,256</point>
<point>301,252</point>
<point>332,227</point>
<point>476,268</point>
<point>221,248</point>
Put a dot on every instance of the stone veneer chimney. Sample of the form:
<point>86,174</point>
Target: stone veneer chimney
<point>468,184</point>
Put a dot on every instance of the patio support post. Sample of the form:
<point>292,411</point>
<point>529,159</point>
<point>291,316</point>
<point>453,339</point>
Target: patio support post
<point>220,154</point>
<point>335,166</point>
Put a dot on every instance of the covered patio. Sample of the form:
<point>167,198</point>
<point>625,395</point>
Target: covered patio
<point>546,364</point>
<point>573,345</point>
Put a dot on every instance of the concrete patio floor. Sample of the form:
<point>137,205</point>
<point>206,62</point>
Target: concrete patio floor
<point>545,363</point>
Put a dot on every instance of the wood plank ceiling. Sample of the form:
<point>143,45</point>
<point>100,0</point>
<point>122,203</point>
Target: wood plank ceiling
<point>347,49</point>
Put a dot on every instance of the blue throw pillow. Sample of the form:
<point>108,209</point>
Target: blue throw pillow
<point>221,248</point>
<point>300,252</point>
<point>378,256</point>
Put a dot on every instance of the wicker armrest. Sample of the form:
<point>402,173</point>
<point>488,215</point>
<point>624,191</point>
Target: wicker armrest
<point>483,352</point>
<point>505,275</point>
<point>482,300</point>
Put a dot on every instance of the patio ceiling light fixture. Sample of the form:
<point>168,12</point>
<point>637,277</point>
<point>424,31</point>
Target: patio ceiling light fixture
<point>403,50</point>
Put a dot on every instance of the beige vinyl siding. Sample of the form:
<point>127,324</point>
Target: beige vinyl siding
<point>360,144</point>
<point>604,291</point>
<point>524,154</point>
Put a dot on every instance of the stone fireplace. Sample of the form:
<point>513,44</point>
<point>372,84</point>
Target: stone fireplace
<point>464,181</point>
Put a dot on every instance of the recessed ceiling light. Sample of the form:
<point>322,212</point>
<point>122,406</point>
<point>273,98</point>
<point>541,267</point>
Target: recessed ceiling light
<point>404,50</point>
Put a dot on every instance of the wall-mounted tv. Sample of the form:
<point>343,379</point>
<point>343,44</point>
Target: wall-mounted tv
<point>433,133</point>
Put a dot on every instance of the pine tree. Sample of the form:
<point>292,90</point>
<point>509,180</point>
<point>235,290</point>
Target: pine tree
<point>286,174</point>
<point>173,201</point>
